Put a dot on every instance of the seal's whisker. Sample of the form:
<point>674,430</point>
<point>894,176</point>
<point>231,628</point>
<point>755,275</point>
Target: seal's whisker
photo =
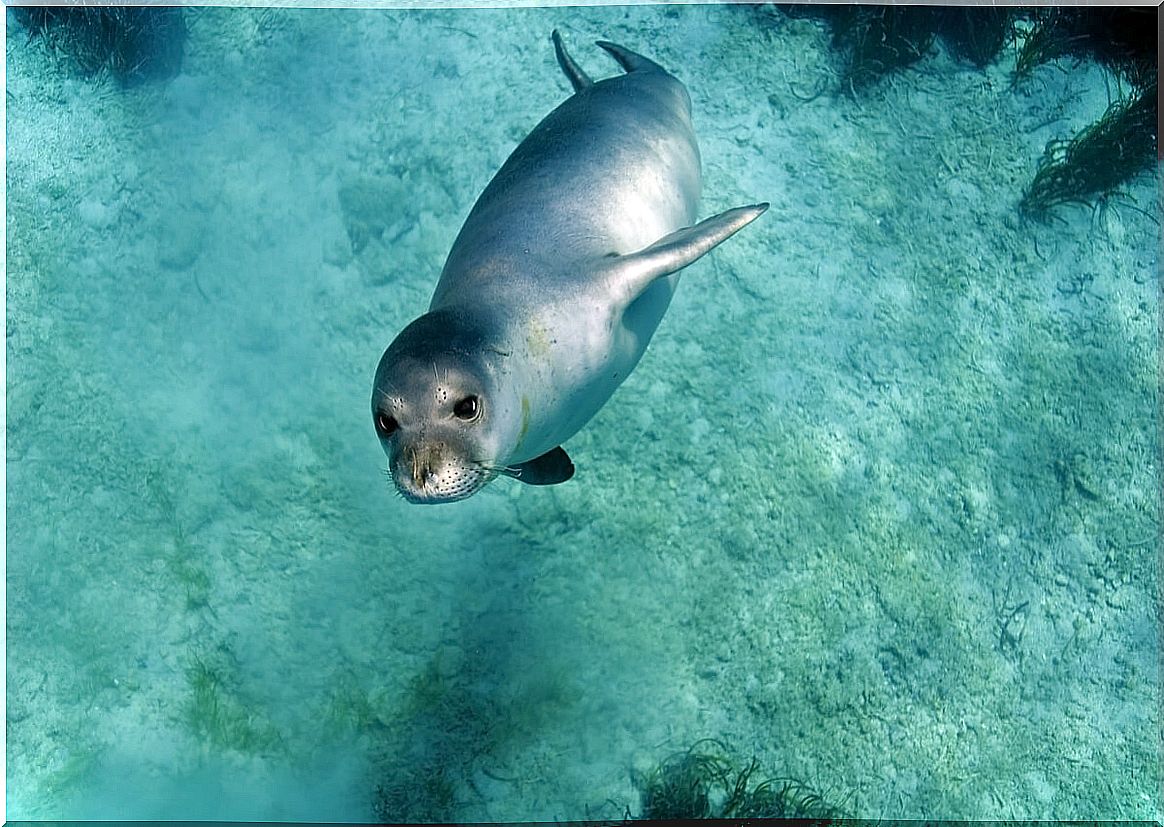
<point>386,389</point>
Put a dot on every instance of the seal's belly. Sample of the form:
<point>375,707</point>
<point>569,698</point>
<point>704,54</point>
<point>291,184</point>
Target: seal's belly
<point>569,360</point>
<point>609,172</point>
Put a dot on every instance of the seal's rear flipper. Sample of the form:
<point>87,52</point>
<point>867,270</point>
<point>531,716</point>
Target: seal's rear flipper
<point>633,273</point>
<point>578,78</point>
<point>551,468</point>
<point>630,61</point>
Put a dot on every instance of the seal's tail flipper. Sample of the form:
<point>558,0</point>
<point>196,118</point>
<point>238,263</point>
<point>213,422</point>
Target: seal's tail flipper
<point>578,78</point>
<point>630,61</point>
<point>634,273</point>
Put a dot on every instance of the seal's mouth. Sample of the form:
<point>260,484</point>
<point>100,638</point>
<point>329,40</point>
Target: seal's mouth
<point>428,478</point>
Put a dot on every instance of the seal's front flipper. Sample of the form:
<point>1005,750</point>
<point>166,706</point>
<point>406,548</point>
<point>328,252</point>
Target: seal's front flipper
<point>551,468</point>
<point>633,273</point>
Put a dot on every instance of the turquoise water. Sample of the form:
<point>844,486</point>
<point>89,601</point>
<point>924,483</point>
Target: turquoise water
<point>879,507</point>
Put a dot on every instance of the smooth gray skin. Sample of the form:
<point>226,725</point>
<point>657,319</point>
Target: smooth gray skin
<point>552,290</point>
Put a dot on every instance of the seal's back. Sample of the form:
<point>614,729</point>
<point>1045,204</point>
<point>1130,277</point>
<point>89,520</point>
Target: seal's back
<point>612,169</point>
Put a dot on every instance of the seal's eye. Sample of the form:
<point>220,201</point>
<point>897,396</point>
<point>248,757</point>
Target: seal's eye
<point>385,424</point>
<point>467,409</point>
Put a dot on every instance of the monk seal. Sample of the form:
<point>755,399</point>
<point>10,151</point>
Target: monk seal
<point>552,289</point>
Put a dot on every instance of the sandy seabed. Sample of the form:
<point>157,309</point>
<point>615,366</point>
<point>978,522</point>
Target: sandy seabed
<point>878,508</point>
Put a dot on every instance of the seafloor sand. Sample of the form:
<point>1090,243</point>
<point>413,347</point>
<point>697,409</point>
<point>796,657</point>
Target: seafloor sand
<point>879,507</point>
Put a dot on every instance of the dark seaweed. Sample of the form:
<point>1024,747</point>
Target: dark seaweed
<point>704,782</point>
<point>976,34</point>
<point>877,40</point>
<point>881,39</point>
<point>1123,39</point>
<point>1102,157</point>
<point>136,44</point>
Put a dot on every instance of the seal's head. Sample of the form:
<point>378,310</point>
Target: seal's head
<point>433,408</point>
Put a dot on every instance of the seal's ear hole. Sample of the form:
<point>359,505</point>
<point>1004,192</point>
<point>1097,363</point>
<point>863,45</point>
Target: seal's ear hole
<point>467,409</point>
<point>385,424</point>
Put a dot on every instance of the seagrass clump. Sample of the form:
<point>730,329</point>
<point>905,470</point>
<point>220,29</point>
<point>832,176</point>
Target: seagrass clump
<point>975,33</point>
<point>704,781</point>
<point>1122,143</point>
<point>1099,159</point>
<point>877,40</point>
<point>1122,39</point>
<point>134,44</point>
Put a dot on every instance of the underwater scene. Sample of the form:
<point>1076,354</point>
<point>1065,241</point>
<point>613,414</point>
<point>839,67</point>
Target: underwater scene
<point>871,530</point>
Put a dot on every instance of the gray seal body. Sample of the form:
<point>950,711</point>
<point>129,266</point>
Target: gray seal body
<point>552,290</point>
